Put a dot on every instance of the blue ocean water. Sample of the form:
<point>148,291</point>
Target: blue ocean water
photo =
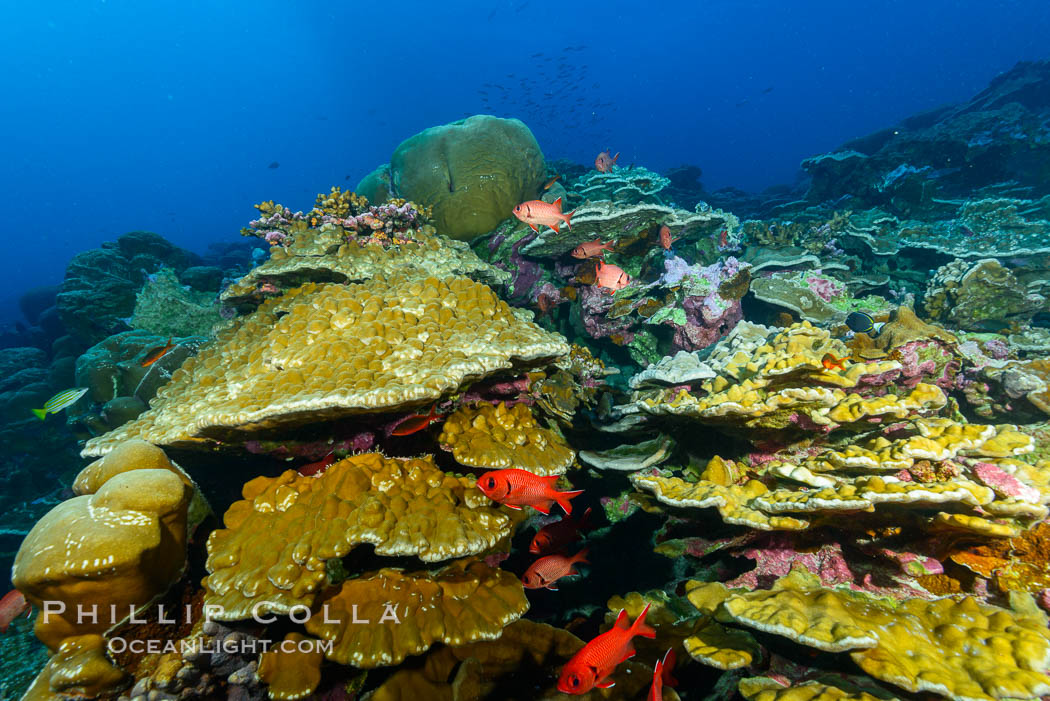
<point>164,116</point>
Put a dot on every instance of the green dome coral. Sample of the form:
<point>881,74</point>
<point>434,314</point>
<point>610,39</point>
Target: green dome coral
<point>472,172</point>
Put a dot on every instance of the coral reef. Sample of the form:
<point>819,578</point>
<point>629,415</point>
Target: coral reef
<point>813,446</point>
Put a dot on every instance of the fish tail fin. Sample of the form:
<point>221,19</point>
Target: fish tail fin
<point>583,522</point>
<point>40,413</point>
<point>568,219</point>
<point>564,497</point>
<point>640,628</point>
<point>615,157</point>
<point>580,557</point>
<point>667,666</point>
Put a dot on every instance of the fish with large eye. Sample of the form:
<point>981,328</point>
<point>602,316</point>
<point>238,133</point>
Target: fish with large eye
<point>537,213</point>
<point>546,571</point>
<point>597,660</point>
<point>516,488</point>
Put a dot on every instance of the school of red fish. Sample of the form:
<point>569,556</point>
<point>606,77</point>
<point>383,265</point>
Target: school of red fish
<point>594,664</point>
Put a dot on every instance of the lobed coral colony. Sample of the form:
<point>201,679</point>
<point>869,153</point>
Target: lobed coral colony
<point>812,438</point>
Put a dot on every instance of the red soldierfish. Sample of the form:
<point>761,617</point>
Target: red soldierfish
<point>537,213</point>
<point>548,570</point>
<point>603,163</point>
<point>315,467</point>
<point>665,238</point>
<point>590,249</point>
<point>12,606</point>
<point>415,423</point>
<point>611,277</point>
<point>592,665</point>
<point>662,677</point>
<point>555,536</point>
<point>517,488</point>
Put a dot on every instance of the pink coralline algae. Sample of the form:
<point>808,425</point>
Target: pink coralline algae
<point>825,288</point>
<point>775,556</point>
<point>360,442</point>
<point>388,218</point>
<point>594,306</point>
<point>280,219</point>
<point>1004,483</point>
<point>708,319</point>
<point>927,361</point>
<point>709,315</point>
<point>275,238</point>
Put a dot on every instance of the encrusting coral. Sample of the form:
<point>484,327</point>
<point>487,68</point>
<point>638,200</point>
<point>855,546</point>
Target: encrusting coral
<point>333,251</point>
<point>291,670</point>
<point>462,603</point>
<point>960,649</point>
<point>527,654</point>
<point>498,437</point>
<point>927,462</point>
<point>272,554</point>
<point>788,383</point>
<point>322,352</point>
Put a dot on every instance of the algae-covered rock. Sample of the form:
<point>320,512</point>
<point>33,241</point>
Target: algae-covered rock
<point>472,172</point>
<point>100,285</point>
<point>207,278</point>
<point>167,308</point>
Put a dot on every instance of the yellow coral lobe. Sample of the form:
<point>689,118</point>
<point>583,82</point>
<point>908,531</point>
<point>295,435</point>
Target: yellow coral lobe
<point>465,602</point>
<point>277,540</point>
<point>249,379</point>
<point>498,437</point>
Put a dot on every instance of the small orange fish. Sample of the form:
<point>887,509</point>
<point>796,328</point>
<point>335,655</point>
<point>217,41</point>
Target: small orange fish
<point>662,676</point>
<point>546,571</point>
<point>592,665</point>
<point>551,182</point>
<point>830,362</point>
<point>315,467</point>
<point>665,238</point>
<point>416,423</point>
<point>604,163</point>
<point>590,249</point>
<point>555,536</point>
<point>12,606</point>
<point>611,277</point>
<point>155,354</point>
<point>537,213</point>
<point>516,488</point>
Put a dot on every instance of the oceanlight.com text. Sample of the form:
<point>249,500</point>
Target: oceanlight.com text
<point>199,646</point>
